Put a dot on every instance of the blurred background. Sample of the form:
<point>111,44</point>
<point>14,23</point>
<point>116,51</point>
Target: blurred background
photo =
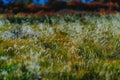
<point>38,6</point>
<point>43,2</point>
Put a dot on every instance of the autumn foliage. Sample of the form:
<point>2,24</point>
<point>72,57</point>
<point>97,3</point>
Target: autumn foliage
<point>59,6</point>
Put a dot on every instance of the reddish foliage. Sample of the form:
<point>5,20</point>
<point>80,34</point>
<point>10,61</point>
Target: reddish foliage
<point>60,8</point>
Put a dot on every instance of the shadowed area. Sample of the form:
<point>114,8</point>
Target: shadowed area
<point>43,7</point>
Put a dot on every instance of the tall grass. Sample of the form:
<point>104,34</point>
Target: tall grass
<point>61,48</point>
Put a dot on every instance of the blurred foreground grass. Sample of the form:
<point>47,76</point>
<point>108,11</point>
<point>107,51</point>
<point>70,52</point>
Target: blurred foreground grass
<point>60,48</point>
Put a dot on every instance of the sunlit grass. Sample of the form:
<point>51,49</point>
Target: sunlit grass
<point>61,48</point>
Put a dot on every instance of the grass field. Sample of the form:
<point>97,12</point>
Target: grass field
<point>60,47</point>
